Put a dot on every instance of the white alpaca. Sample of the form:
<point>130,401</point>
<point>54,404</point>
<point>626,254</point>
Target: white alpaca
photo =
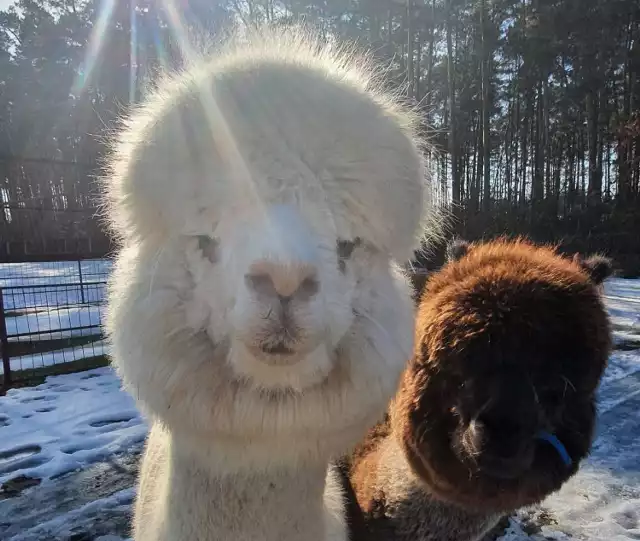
<point>255,312</point>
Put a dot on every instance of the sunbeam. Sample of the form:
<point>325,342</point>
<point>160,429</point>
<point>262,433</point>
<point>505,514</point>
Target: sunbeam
<point>161,51</point>
<point>96,42</point>
<point>178,30</point>
<point>221,134</point>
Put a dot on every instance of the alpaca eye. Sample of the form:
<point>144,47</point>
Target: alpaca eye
<point>208,247</point>
<point>346,247</point>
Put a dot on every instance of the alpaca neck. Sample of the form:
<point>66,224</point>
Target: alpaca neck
<point>418,513</point>
<point>276,503</point>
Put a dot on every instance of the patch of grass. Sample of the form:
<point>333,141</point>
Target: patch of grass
<point>36,376</point>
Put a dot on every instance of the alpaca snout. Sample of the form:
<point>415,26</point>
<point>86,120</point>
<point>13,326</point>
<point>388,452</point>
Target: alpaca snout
<point>281,343</point>
<point>499,451</point>
<point>283,336</point>
<point>268,280</point>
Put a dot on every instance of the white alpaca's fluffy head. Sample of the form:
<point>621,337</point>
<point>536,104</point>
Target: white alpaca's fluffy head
<point>262,198</point>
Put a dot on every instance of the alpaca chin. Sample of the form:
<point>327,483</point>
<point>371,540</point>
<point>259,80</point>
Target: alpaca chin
<point>296,374</point>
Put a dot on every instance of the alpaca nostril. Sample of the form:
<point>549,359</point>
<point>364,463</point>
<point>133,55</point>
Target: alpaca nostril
<point>514,422</point>
<point>285,283</point>
<point>499,438</point>
<point>504,454</point>
<point>260,283</point>
<point>308,288</point>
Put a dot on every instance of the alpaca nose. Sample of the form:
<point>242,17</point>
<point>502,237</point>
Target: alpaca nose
<point>268,279</point>
<point>502,445</point>
<point>501,435</point>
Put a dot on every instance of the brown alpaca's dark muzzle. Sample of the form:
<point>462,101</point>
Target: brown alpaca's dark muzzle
<point>498,451</point>
<point>498,426</point>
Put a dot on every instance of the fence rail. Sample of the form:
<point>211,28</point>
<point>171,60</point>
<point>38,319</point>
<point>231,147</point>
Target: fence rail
<point>50,317</point>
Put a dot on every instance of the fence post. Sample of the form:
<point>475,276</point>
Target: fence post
<point>4,345</point>
<point>81,284</point>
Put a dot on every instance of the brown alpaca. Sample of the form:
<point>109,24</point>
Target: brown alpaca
<point>496,409</point>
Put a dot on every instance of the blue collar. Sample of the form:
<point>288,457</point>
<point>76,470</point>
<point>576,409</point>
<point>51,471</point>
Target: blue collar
<point>557,444</point>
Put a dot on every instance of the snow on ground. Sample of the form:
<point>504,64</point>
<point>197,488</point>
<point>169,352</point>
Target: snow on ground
<point>53,301</point>
<point>66,423</point>
<point>623,302</point>
<point>82,435</point>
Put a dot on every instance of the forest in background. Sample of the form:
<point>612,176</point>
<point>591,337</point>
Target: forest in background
<point>532,107</point>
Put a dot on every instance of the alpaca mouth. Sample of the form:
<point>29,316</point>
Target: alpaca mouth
<point>505,468</point>
<point>278,348</point>
<point>514,466</point>
<point>497,457</point>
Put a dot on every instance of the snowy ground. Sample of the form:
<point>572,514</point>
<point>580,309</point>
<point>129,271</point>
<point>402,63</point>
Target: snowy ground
<point>50,302</point>
<point>73,432</point>
<point>78,437</point>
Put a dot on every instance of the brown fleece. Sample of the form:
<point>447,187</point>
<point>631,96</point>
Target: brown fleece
<point>511,339</point>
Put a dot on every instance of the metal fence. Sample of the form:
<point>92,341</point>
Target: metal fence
<point>48,209</point>
<point>50,317</point>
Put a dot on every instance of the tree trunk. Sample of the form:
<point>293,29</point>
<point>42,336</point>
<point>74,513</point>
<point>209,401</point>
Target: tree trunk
<point>432,37</point>
<point>517,172</point>
<point>571,173</point>
<point>453,150</point>
<point>410,49</point>
<point>525,157</point>
<point>486,136</point>
<point>418,71</point>
<point>537,186</point>
<point>595,175</point>
<point>478,164</point>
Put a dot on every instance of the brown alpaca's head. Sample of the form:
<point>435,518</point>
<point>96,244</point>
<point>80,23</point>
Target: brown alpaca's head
<point>497,407</point>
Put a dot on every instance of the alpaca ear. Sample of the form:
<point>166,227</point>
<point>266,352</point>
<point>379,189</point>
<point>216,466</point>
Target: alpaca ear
<point>457,249</point>
<point>598,267</point>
